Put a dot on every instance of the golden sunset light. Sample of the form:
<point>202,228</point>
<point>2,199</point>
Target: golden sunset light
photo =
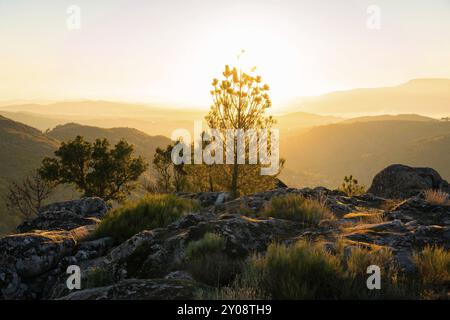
<point>224,158</point>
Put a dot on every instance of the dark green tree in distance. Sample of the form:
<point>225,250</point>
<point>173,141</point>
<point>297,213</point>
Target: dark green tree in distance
<point>170,177</point>
<point>95,169</point>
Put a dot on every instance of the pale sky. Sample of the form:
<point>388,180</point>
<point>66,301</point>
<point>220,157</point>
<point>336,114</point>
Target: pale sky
<point>169,50</point>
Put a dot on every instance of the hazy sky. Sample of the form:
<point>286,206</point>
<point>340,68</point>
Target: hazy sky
<point>169,50</point>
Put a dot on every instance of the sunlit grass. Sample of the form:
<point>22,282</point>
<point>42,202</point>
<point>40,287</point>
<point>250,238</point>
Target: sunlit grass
<point>152,211</point>
<point>298,208</point>
<point>436,197</point>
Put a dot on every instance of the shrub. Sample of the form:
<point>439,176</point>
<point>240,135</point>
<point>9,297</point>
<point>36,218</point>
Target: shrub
<point>208,261</point>
<point>433,265</point>
<point>297,208</point>
<point>311,271</point>
<point>98,277</point>
<point>302,271</point>
<point>351,187</point>
<point>436,197</point>
<point>153,211</point>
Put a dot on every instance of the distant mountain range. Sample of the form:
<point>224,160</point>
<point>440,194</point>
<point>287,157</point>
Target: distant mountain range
<point>323,155</point>
<point>153,120</point>
<point>421,96</point>
<point>322,143</point>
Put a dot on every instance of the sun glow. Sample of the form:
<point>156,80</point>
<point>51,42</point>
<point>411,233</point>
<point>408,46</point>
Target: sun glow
<point>270,47</point>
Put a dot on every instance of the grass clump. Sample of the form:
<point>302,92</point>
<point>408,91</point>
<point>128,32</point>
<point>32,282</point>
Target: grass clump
<point>153,211</point>
<point>313,271</point>
<point>436,197</point>
<point>209,263</point>
<point>298,208</point>
<point>433,265</point>
<point>365,217</point>
<point>302,271</point>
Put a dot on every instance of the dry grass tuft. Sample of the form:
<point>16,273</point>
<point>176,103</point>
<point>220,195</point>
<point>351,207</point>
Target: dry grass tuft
<point>437,197</point>
<point>298,208</point>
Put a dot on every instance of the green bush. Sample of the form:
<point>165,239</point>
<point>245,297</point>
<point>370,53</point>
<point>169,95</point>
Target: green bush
<point>153,211</point>
<point>208,261</point>
<point>433,265</point>
<point>298,208</point>
<point>311,271</point>
<point>351,187</point>
<point>302,271</point>
<point>98,277</point>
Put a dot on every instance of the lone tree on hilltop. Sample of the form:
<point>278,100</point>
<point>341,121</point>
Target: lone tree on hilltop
<point>240,101</point>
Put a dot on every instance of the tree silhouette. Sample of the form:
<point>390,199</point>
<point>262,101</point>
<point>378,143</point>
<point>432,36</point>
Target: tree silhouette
<point>240,101</point>
<point>94,168</point>
<point>27,196</point>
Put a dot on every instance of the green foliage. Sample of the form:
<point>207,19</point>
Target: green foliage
<point>208,261</point>
<point>95,168</point>
<point>433,265</point>
<point>240,101</point>
<point>351,187</point>
<point>153,211</point>
<point>297,208</point>
<point>303,271</point>
<point>98,277</point>
<point>311,271</point>
<point>170,177</point>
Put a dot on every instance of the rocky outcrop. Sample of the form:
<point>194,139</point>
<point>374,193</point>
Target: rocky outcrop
<point>31,262</point>
<point>28,256</point>
<point>401,182</point>
<point>152,264</point>
<point>67,215</point>
<point>140,289</point>
<point>156,253</point>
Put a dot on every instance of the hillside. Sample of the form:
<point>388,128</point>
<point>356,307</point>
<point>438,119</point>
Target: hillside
<point>387,117</point>
<point>22,148</point>
<point>423,96</point>
<point>325,154</point>
<point>291,122</point>
<point>145,145</point>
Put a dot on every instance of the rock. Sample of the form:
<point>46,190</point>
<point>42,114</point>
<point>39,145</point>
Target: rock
<point>93,249</point>
<point>152,264</point>
<point>36,253</point>
<point>401,182</point>
<point>155,253</point>
<point>140,289</point>
<point>179,275</point>
<point>206,199</point>
<point>26,258</point>
<point>418,210</point>
<point>67,215</point>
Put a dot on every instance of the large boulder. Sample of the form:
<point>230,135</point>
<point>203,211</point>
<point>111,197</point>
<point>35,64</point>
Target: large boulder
<point>400,182</point>
<point>26,257</point>
<point>67,215</point>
